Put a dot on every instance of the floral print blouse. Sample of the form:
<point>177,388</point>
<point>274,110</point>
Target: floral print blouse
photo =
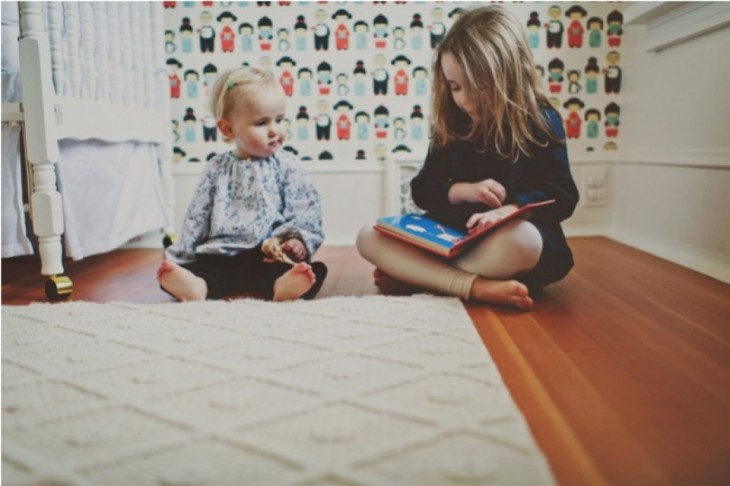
<point>240,202</point>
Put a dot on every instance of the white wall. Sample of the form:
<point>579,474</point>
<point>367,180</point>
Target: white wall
<point>671,182</point>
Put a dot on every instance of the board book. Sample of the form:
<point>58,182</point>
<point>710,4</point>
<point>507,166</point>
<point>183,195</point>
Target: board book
<point>426,232</point>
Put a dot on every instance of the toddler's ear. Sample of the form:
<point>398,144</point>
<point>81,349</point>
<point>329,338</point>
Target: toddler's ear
<point>225,127</point>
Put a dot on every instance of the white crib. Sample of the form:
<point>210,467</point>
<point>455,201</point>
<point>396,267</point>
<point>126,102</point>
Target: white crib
<point>94,103</point>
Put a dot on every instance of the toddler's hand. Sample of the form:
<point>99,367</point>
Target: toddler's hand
<point>295,249</point>
<point>488,218</point>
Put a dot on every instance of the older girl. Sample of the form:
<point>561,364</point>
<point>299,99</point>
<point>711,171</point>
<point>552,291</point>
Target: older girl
<point>497,144</point>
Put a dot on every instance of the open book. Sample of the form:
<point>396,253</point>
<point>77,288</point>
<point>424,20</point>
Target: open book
<point>425,232</point>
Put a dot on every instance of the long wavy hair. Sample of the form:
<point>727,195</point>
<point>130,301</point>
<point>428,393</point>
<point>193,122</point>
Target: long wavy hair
<point>502,84</point>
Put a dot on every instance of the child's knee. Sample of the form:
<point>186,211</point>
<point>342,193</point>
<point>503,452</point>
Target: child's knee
<point>366,241</point>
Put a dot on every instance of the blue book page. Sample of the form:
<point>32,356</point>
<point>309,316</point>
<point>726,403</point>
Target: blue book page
<point>423,228</point>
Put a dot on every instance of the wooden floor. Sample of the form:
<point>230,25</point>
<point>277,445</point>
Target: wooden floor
<point>622,370</point>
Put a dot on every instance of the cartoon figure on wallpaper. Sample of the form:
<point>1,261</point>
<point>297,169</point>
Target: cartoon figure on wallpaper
<point>325,155</point>
<point>265,63</point>
<point>575,29</point>
<point>245,196</point>
<point>206,32</point>
<point>420,80</point>
<point>360,29</point>
<point>400,79</point>
<point>266,33</point>
<point>323,122</point>
<point>342,33</point>
<point>399,128</point>
<point>593,119</point>
<point>342,88</point>
<point>437,28</point>
<point>501,130</point>
<point>227,35</point>
<point>612,73</point>
<point>302,124</point>
<point>416,32</point>
<point>343,124</point>
<point>362,120</point>
<point>210,72</point>
<point>174,66</point>
<point>324,78</point>
<point>178,154</point>
<point>380,75</point>
<point>360,155</point>
<point>554,28</point>
<point>186,35</point>
<point>190,121</point>
<point>399,41</point>
<point>555,76</point>
<point>175,125</point>
<point>191,78</point>
<point>574,86</point>
<point>401,149</point>
<point>381,152</point>
<point>533,30</point>
<point>245,35</point>
<point>300,33</point>
<point>380,31</point>
<point>321,31</point>
<point>610,145</point>
<point>592,71</point>
<point>304,75</point>
<point>573,121</point>
<point>358,75</point>
<point>595,26</point>
<point>417,123</point>
<point>283,36</point>
<point>380,115</point>
<point>210,131</point>
<point>615,21</point>
<point>612,112</point>
<point>286,64</point>
<point>170,46</point>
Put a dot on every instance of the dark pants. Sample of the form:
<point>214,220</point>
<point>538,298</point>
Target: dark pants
<point>246,272</point>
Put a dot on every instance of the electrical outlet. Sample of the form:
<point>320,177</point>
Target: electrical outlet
<point>595,190</point>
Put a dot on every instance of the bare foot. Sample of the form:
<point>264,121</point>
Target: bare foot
<point>180,282</point>
<point>506,292</point>
<point>294,283</point>
<point>388,284</point>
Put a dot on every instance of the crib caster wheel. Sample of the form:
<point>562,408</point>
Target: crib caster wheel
<point>167,240</point>
<point>58,287</point>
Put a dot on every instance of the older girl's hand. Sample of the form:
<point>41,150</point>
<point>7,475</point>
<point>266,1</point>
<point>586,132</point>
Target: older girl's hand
<point>488,191</point>
<point>479,221</point>
<point>295,249</point>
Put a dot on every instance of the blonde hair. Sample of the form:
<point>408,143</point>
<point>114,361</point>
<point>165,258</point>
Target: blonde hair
<point>501,81</point>
<point>232,87</point>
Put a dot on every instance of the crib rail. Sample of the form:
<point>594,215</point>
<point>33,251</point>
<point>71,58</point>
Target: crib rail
<point>89,70</point>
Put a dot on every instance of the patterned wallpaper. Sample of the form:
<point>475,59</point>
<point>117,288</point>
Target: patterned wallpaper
<point>357,74</point>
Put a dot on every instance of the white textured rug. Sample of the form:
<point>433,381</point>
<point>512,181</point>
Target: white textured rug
<point>345,390</point>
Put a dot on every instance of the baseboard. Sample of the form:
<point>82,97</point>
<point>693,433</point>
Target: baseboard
<point>703,261</point>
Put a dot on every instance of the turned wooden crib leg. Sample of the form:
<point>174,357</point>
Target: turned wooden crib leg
<point>41,144</point>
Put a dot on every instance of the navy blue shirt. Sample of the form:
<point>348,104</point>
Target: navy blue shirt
<point>543,175</point>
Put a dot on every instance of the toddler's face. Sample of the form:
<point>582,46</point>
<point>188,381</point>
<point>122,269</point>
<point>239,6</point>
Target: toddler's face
<point>257,127</point>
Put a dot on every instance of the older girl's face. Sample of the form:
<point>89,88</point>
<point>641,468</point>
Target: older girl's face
<point>457,83</point>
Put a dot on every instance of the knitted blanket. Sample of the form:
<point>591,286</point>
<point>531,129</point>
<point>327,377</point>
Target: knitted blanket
<point>343,390</point>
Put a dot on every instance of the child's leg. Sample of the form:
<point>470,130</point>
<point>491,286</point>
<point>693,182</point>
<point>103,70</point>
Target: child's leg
<point>513,249</point>
<point>294,283</point>
<point>412,265</point>
<point>180,282</point>
<point>517,249</point>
